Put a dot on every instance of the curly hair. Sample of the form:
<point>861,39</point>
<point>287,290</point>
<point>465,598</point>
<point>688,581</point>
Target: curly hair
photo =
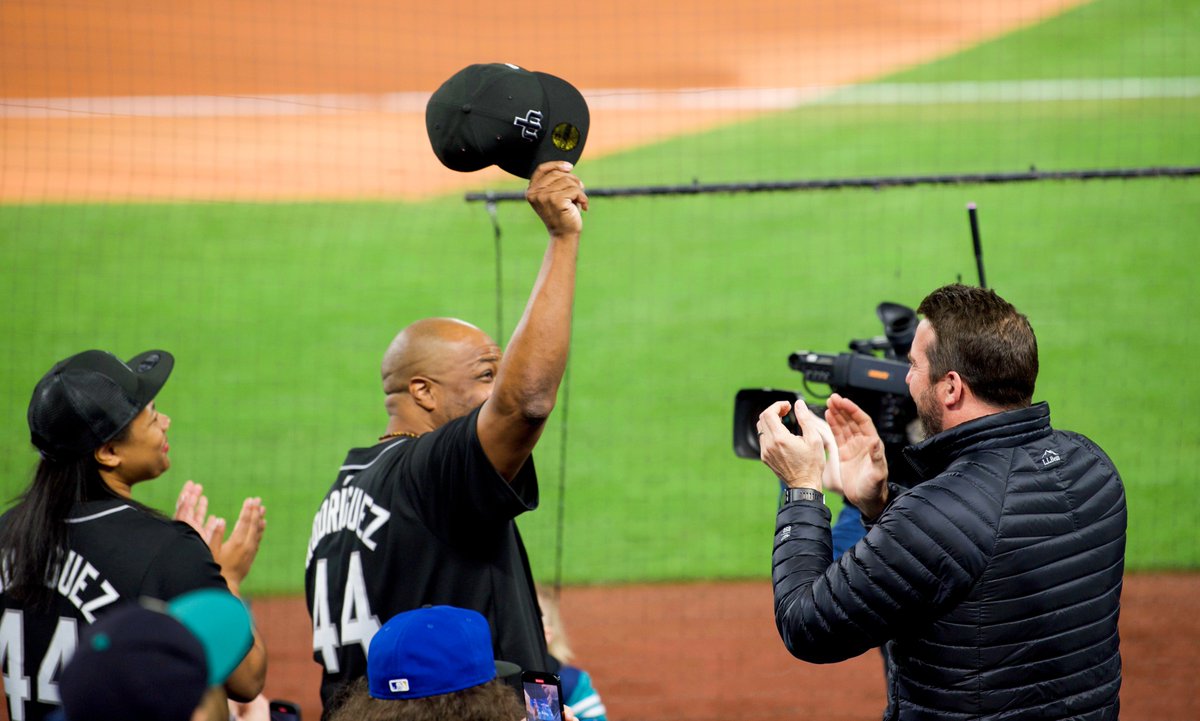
<point>492,701</point>
<point>982,337</point>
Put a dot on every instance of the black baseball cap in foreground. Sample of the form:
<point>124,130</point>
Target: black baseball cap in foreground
<point>501,114</point>
<point>154,661</point>
<point>84,401</point>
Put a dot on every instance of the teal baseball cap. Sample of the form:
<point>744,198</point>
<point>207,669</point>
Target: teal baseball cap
<point>155,660</point>
<point>222,624</point>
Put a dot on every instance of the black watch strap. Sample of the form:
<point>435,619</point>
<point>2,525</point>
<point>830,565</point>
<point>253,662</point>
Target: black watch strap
<point>791,495</point>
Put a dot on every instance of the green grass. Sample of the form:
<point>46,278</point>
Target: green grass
<point>278,314</point>
<point>1107,39</point>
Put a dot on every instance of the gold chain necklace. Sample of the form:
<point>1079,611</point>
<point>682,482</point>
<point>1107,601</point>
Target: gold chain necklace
<point>399,434</point>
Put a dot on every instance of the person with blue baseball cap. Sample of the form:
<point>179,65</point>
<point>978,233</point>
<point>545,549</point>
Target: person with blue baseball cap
<point>433,663</point>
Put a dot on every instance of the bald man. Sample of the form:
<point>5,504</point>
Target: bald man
<point>425,515</point>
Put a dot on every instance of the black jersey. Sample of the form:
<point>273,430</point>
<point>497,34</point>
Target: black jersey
<point>410,522</point>
<point>118,553</point>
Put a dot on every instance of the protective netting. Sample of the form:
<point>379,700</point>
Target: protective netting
<point>249,185</point>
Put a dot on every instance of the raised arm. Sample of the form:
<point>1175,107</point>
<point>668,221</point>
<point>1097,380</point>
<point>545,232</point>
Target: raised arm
<point>512,419</point>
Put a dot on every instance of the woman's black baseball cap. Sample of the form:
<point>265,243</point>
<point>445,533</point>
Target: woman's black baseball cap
<point>84,401</point>
<point>501,114</point>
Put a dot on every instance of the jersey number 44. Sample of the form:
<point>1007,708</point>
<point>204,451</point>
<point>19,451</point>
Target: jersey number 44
<point>357,623</point>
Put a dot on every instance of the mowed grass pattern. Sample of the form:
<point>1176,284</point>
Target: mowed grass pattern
<point>278,313</point>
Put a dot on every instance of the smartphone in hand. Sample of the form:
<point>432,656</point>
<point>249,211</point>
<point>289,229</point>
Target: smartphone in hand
<point>543,696</point>
<point>282,710</point>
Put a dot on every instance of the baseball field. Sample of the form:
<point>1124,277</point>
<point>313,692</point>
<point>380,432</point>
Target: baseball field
<point>249,186</point>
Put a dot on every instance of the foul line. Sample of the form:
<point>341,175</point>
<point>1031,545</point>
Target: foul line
<point>752,99</point>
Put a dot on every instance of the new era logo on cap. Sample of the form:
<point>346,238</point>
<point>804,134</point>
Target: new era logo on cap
<point>500,114</point>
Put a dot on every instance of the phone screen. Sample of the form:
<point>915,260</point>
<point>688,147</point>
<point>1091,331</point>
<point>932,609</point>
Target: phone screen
<point>284,711</point>
<point>543,697</point>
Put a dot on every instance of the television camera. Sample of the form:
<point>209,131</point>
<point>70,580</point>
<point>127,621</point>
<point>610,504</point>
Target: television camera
<point>872,374</point>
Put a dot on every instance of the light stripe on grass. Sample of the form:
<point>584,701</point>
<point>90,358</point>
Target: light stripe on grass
<point>937,93</point>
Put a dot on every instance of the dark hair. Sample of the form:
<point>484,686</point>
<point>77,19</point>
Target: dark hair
<point>493,701</point>
<point>982,337</point>
<point>33,537</point>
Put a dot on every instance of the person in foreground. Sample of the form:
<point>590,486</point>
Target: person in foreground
<point>996,580</point>
<point>77,544</point>
<point>430,664</point>
<point>160,661</point>
<point>425,514</point>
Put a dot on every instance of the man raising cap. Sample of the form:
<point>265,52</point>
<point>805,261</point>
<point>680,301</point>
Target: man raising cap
<point>425,514</point>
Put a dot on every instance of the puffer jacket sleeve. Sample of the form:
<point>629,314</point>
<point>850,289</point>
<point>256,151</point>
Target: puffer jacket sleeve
<point>921,557</point>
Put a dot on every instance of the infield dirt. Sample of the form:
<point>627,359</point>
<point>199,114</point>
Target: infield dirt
<point>710,652</point>
<point>319,100</point>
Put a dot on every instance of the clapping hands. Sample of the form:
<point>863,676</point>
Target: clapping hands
<point>234,554</point>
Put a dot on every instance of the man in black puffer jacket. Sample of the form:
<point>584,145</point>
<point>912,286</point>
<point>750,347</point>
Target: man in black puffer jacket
<point>995,581</point>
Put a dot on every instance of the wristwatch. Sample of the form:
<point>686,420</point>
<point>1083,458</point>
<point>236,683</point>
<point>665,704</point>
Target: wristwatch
<point>791,495</point>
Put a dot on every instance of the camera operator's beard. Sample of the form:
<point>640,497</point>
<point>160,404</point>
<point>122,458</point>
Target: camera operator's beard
<point>929,413</point>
